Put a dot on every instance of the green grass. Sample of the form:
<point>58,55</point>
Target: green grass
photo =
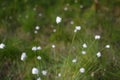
<point>17,25</point>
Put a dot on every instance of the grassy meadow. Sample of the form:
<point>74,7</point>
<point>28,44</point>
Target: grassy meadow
<point>59,39</point>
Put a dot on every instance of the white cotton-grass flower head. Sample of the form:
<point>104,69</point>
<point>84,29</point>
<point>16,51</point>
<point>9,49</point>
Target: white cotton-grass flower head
<point>40,14</point>
<point>78,27</point>
<point>53,46</point>
<point>107,46</point>
<point>37,27</point>
<point>38,48</point>
<point>92,74</point>
<point>81,6</point>
<point>71,22</point>
<point>44,72</point>
<point>58,19</point>
<point>54,30</point>
<point>39,57</point>
<point>23,56</point>
<point>59,74</point>
<point>38,78</point>
<point>74,60</point>
<point>83,52</point>
<point>35,32</point>
<point>84,45</point>
<point>98,54</point>
<point>67,4</point>
<point>34,48</point>
<point>97,37</point>
<point>75,30</point>
<point>35,70</point>
<point>2,46</point>
<point>82,70</point>
<point>65,8</point>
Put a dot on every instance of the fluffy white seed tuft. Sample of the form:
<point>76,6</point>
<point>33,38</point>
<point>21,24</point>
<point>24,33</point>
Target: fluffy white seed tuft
<point>53,46</point>
<point>107,46</point>
<point>35,32</point>
<point>35,70</point>
<point>2,46</point>
<point>59,74</point>
<point>39,57</point>
<point>82,70</point>
<point>34,48</point>
<point>74,60</point>
<point>54,30</point>
<point>37,27</point>
<point>23,56</point>
<point>44,72</point>
<point>38,78</point>
<point>39,48</point>
<point>78,27</point>
<point>97,37</point>
<point>58,19</point>
<point>84,45</point>
<point>98,54</point>
<point>83,52</point>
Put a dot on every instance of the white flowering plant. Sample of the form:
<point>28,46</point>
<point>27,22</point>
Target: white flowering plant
<point>59,40</point>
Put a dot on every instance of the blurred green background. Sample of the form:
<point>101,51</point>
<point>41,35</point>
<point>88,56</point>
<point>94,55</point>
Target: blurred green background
<point>18,19</point>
